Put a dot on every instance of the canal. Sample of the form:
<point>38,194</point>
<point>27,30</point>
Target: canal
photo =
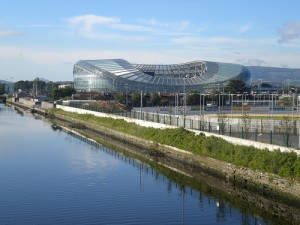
<point>49,176</point>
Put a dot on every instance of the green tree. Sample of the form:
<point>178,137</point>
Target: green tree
<point>119,97</point>
<point>57,93</point>
<point>2,89</point>
<point>155,98</point>
<point>285,101</point>
<point>235,86</point>
<point>246,122</point>
<point>136,99</point>
<point>222,121</point>
<point>286,127</point>
<point>193,98</point>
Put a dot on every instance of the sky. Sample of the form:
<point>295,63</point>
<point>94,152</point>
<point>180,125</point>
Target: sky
<point>40,38</point>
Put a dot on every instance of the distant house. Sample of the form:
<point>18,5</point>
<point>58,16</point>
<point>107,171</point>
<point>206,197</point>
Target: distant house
<point>63,86</point>
<point>21,94</point>
<point>40,99</point>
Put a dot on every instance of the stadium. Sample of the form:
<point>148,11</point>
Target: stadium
<point>118,75</point>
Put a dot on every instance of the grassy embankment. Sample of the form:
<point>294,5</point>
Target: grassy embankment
<point>283,164</point>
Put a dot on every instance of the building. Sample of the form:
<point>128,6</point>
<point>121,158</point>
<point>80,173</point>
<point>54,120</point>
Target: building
<point>63,86</point>
<point>118,75</point>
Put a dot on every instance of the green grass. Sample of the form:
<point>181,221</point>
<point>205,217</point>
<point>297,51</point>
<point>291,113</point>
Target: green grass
<point>283,164</point>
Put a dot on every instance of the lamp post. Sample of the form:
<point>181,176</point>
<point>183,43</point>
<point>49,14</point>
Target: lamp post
<point>126,90</point>
<point>231,104</point>
<point>219,103</point>
<point>200,112</point>
<point>184,102</point>
<point>141,105</point>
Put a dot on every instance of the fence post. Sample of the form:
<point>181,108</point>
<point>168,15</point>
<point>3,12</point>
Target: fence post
<point>230,130</point>
<point>209,128</point>
<point>200,125</point>
<point>271,137</point>
<point>242,132</point>
<point>256,134</point>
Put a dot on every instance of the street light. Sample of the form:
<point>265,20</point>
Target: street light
<point>141,105</point>
<point>259,84</point>
<point>184,102</point>
<point>126,90</point>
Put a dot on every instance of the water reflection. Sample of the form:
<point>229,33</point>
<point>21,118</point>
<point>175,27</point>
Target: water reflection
<point>223,211</point>
<point>55,177</point>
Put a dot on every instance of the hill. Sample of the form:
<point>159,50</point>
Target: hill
<point>275,74</point>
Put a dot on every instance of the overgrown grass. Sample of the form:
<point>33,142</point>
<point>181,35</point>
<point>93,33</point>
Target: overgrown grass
<point>276,162</point>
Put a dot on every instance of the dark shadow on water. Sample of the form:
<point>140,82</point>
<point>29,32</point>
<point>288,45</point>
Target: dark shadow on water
<point>193,180</point>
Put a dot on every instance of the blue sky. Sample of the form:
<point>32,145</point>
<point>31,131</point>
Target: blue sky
<point>40,38</point>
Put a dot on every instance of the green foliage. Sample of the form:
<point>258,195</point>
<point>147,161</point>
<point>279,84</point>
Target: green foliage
<point>119,97</point>
<point>28,86</point>
<point>155,98</point>
<point>222,121</point>
<point>286,127</point>
<point>57,93</point>
<point>136,99</point>
<point>193,99</point>
<point>285,101</point>
<point>236,86</point>
<point>276,162</point>
<point>246,123</point>
<point>2,89</point>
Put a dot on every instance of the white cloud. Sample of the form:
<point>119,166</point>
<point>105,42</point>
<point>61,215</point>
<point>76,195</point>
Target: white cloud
<point>246,27</point>
<point>89,20</point>
<point>290,31</point>
<point>178,26</point>
<point>103,28</point>
<point>187,40</point>
<point>128,27</point>
<point>112,28</point>
<point>8,33</point>
<point>252,62</point>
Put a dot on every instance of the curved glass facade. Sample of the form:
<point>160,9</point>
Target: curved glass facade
<point>118,75</point>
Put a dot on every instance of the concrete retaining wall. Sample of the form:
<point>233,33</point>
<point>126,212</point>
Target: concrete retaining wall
<point>26,102</point>
<point>47,105</point>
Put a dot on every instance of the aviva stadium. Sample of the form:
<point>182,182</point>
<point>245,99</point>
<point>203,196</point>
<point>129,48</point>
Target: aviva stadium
<point>118,75</point>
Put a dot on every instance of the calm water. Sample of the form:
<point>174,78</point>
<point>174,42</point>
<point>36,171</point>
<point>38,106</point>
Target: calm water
<point>51,177</point>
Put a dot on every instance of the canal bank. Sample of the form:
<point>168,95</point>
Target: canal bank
<point>205,170</point>
<point>267,185</point>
